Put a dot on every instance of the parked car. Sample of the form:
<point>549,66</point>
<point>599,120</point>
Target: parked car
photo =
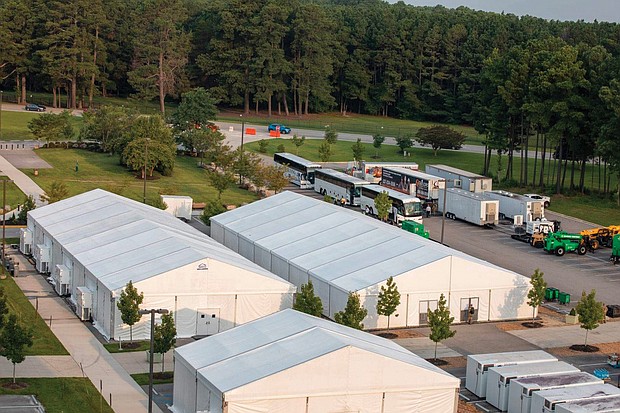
<point>546,199</point>
<point>283,129</point>
<point>34,108</point>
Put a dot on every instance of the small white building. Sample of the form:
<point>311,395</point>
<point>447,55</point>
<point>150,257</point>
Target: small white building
<point>93,244</point>
<point>178,206</point>
<point>295,363</point>
<point>303,239</point>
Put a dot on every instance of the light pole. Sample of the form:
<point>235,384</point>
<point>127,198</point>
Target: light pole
<point>152,312</point>
<point>241,151</point>
<point>4,181</point>
<point>1,96</point>
<point>146,157</point>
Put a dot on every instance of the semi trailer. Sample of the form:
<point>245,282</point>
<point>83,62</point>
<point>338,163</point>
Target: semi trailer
<point>472,207</point>
<point>511,205</point>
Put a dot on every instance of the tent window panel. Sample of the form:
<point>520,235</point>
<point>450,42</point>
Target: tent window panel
<point>425,307</point>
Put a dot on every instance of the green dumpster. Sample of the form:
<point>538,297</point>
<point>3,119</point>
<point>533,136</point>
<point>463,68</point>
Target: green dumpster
<point>548,294</point>
<point>564,298</point>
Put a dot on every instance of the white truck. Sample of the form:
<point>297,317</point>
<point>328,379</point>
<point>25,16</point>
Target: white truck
<point>511,205</point>
<point>472,207</point>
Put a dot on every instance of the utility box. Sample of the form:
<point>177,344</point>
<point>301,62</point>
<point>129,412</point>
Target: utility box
<point>42,258</point>
<point>478,366</point>
<point>179,206</point>
<point>522,389</point>
<point>62,280</point>
<point>461,179</point>
<point>25,241</point>
<point>545,401</point>
<point>499,379</point>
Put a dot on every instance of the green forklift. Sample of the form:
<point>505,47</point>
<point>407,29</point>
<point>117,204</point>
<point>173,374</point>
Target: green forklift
<point>615,249</point>
<point>561,242</point>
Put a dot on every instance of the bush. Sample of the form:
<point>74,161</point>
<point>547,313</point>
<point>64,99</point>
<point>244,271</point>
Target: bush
<point>281,148</point>
<point>212,208</point>
<point>572,312</point>
<point>263,145</point>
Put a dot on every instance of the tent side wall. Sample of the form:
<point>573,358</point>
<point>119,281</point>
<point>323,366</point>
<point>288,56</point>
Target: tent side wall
<point>184,391</point>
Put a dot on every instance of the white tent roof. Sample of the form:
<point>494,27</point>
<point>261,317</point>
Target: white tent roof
<point>340,246</point>
<point>119,240</point>
<point>272,344</point>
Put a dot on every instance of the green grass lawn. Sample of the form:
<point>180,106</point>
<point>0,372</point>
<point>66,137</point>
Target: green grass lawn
<point>103,171</point>
<point>592,208</point>
<point>63,395</point>
<point>15,125</point>
<point>45,342</point>
<point>143,378</point>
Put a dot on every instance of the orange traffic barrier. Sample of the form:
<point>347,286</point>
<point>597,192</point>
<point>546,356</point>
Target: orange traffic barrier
<point>250,131</point>
<point>275,134</point>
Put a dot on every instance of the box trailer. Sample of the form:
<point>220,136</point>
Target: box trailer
<point>603,405</point>
<point>478,366</point>
<point>499,378</point>
<point>461,179</point>
<point>424,186</point>
<point>179,206</point>
<point>521,390</point>
<point>372,171</point>
<point>511,205</point>
<point>544,401</point>
<point>472,207</point>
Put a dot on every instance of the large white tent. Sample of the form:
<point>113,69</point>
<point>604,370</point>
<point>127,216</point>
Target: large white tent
<point>303,239</point>
<point>93,244</point>
<point>291,362</point>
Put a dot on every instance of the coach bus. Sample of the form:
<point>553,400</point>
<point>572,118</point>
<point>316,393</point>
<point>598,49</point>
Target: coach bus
<point>339,186</point>
<point>404,207</point>
<point>300,171</point>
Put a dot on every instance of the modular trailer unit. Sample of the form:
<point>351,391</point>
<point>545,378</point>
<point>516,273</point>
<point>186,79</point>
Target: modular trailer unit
<point>544,401</point>
<point>521,390</point>
<point>604,405</point>
<point>511,205</point>
<point>372,171</point>
<point>459,178</point>
<point>472,207</point>
<point>499,379</point>
<point>416,183</point>
<point>478,366</point>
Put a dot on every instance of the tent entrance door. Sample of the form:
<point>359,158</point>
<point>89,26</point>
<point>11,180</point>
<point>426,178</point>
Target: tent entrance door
<point>207,321</point>
<point>465,302</point>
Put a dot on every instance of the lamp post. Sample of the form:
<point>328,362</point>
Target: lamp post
<point>146,157</point>
<point>152,312</point>
<point>4,181</point>
<point>241,151</point>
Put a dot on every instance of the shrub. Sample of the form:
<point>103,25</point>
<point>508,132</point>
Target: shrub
<point>212,208</point>
<point>572,312</point>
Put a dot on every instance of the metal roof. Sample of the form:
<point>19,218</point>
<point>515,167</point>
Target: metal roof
<point>117,239</point>
<point>343,247</point>
<point>414,173</point>
<point>280,341</point>
<point>458,171</point>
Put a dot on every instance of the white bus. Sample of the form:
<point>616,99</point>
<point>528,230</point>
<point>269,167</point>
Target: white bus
<point>404,207</point>
<point>338,185</point>
<point>300,171</point>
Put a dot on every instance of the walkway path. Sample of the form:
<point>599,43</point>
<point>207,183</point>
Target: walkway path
<point>23,182</point>
<point>42,366</point>
<point>566,336</point>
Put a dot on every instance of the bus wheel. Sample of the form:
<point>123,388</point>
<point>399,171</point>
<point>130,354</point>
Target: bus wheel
<point>366,211</point>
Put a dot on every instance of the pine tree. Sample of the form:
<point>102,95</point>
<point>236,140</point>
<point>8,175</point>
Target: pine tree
<point>377,140</point>
<point>325,151</point>
<point>388,300</point>
<point>129,306</point>
<point>439,321</point>
<point>537,294</point>
<point>164,337</point>
<point>14,339</point>
<point>331,136</point>
<point>307,302</point>
<point>590,313</point>
<point>353,314</point>
<point>358,150</point>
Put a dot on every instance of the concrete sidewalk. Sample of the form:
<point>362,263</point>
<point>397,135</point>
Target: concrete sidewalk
<point>23,182</point>
<point>85,350</point>
<point>566,336</point>
<point>42,366</point>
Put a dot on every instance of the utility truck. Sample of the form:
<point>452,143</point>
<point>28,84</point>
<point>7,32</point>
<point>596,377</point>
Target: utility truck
<point>472,207</point>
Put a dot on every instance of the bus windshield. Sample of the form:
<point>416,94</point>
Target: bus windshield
<point>413,209</point>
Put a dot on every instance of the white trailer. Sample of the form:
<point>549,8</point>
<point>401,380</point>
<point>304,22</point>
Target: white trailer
<point>511,205</point>
<point>478,366</point>
<point>604,405</point>
<point>459,178</point>
<point>521,390</point>
<point>544,401</point>
<point>416,183</point>
<point>372,171</point>
<point>469,206</point>
<point>178,206</point>
<point>499,379</point>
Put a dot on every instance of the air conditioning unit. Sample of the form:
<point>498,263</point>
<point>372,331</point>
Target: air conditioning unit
<point>62,280</point>
<point>84,303</point>
<point>25,241</point>
<point>42,258</point>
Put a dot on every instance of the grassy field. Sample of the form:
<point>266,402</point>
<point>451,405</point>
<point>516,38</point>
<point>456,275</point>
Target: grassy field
<point>44,341</point>
<point>103,171</point>
<point>63,395</point>
<point>592,208</point>
<point>15,125</point>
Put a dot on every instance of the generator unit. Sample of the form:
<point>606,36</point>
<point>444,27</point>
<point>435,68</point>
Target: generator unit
<point>84,303</point>
<point>25,241</point>
<point>62,280</point>
<point>42,258</point>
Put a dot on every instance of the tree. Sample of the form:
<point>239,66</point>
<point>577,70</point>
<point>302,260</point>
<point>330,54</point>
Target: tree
<point>404,142</point>
<point>358,150</point>
<point>107,125</point>
<point>377,140</point>
<point>50,127</point>
<point>4,308</point>
<point>590,313</point>
<point>536,294</point>
<point>150,140</point>
<point>129,306</point>
<point>331,136</point>
<point>57,192</point>
<point>388,300</point>
<point>307,302</point>
<point>164,337</point>
<point>196,109</point>
<point>221,181</point>
<point>440,137</point>
<point>353,314</point>
<point>212,208</point>
<point>14,339</point>
<point>383,205</point>
<point>275,178</point>
<point>325,151</point>
<point>27,206</point>
<point>439,321</point>
<point>298,142</point>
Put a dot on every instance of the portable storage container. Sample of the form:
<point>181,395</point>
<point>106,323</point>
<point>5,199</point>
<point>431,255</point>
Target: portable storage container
<point>472,207</point>
<point>604,405</point>
<point>544,401</point>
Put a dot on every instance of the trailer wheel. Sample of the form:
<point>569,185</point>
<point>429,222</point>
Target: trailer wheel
<point>582,250</point>
<point>559,251</point>
<point>547,204</point>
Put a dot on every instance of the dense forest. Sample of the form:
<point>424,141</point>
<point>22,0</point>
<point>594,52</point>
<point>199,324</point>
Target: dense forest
<point>521,81</point>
